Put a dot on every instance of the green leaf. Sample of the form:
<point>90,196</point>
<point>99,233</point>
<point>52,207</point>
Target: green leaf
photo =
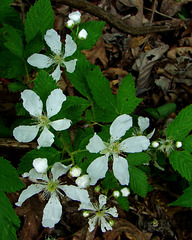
<point>162,111</point>
<point>181,125</point>
<point>39,19</point>
<point>138,181</point>
<point>84,159</point>
<point>123,202</point>
<point>9,220</point>
<point>187,144</point>
<point>4,130</point>
<point>9,179</point>
<point>182,162</point>
<point>50,153</point>
<point>101,90</point>
<point>126,96</point>
<point>34,46</point>
<point>94,30</point>
<point>138,158</point>
<point>4,3</point>
<point>16,86</point>
<point>185,199</point>
<point>13,40</point>
<point>110,181</point>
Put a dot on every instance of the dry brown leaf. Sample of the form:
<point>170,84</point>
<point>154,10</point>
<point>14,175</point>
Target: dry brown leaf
<point>185,41</point>
<point>171,7</point>
<point>115,73</point>
<point>138,41</point>
<point>97,52</point>
<point>179,51</point>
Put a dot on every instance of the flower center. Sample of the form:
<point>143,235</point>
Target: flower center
<point>58,59</point>
<point>114,148</point>
<point>44,121</point>
<point>51,186</point>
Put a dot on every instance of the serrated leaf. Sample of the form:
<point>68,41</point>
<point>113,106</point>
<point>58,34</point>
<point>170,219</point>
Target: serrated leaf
<point>181,125</point>
<point>84,159</point>
<point>94,30</point>
<point>16,86</point>
<point>9,179</point>
<point>182,162</point>
<point>110,181</point>
<point>187,144</point>
<point>101,90</point>
<point>123,202</point>
<point>138,158</point>
<point>39,19</point>
<point>50,153</point>
<point>138,181</point>
<point>9,220</point>
<point>126,96</point>
<point>185,199</point>
<point>13,40</point>
<point>105,116</point>
<point>34,46</point>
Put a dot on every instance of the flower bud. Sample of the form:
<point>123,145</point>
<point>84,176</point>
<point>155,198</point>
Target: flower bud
<point>97,189</point>
<point>116,194</point>
<point>75,16</point>
<point>178,144</point>
<point>40,165</point>
<point>82,34</point>
<point>155,144</point>
<point>111,222</point>
<point>70,24</point>
<point>86,214</point>
<point>125,192</point>
<point>75,171</point>
<point>83,181</point>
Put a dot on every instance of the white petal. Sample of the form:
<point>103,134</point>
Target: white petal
<point>40,165</point>
<point>40,61</point>
<point>92,223</point>
<point>61,124</point>
<point>105,225</point>
<point>52,212</point>
<point>29,192</point>
<point>143,123</point>
<point>53,40</point>
<point>97,169</point>
<point>34,175</point>
<point>70,46</point>
<point>76,193</point>
<point>102,200</point>
<point>112,211</point>
<point>54,102</point>
<point>46,138</point>
<point>135,144</point>
<point>57,73</point>
<point>59,169</point>
<point>32,103</point>
<point>95,144</point>
<point>75,16</point>
<point>120,170</point>
<point>119,126</point>
<point>25,133</point>
<point>87,206</point>
<point>70,65</point>
<point>150,135</point>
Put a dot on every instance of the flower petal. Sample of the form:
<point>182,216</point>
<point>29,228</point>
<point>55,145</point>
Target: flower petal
<point>32,103</point>
<point>143,123</point>
<point>120,169</point>
<point>135,144</point>
<point>105,226</point>
<point>102,200</point>
<point>34,175</point>
<point>87,206</point>
<point>119,126</point>
<point>52,211</point>
<point>61,124</point>
<point>29,192</point>
<point>57,73</point>
<point>54,102</point>
<point>95,144</point>
<point>112,211</point>
<point>59,169</point>
<point>76,193</point>
<point>25,133</point>
<point>150,135</point>
<point>40,61</point>
<point>70,65</point>
<point>70,46</point>
<point>92,223</point>
<point>46,138</point>
<point>97,169</point>
<point>53,40</point>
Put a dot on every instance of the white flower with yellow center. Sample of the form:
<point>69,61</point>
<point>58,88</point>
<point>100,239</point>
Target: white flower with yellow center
<point>101,214</point>
<point>98,168</point>
<point>52,189</point>
<point>53,40</point>
<point>33,104</point>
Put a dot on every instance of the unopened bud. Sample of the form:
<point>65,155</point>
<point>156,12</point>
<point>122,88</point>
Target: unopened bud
<point>97,189</point>
<point>83,181</point>
<point>82,34</point>
<point>155,144</point>
<point>75,171</point>
<point>75,16</point>
<point>70,24</point>
<point>40,165</point>
<point>125,192</point>
<point>116,194</point>
<point>86,214</point>
<point>178,144</point>
<point>111,222</point>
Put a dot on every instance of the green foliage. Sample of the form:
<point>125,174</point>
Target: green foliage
<point>39,19</point>
<point>181,126</point>
<point>4,130</point>
<point>16,86</point>
<point>110,181</point>
<point>101,115</point>
<point>34,46</point>
<point>50,153</point>
<point>138,158</point>
<point>94,30</point>
<point>123,202</point>
<point>182,162</point>
<point>187,144</point>
<point>185,199</point>
<point>126,97</point>
<point>162,111</point>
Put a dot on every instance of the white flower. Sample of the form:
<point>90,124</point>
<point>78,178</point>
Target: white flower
<point>143,123</point>
<point>178,144</point>
<point>33,104</point>
<point>70,24</point>
<point>75,16</point>
<point>102,214</point>
<point>40,165</point>
<point>125,192</point>
<point>52,189</point>
<point>82,34</point>
<point>98,168</point>
<point>53,40</point>
<point>116,194</point>
<point>83,181</point>
<point>75,171</point>
<point>155,144</point>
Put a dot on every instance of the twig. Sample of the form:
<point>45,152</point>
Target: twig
<point>114,21</point>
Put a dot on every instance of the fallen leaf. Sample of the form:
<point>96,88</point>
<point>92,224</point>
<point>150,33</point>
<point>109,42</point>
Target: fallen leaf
<point>138,41</point>
<point>171,7</point>
<point>179,51</point>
